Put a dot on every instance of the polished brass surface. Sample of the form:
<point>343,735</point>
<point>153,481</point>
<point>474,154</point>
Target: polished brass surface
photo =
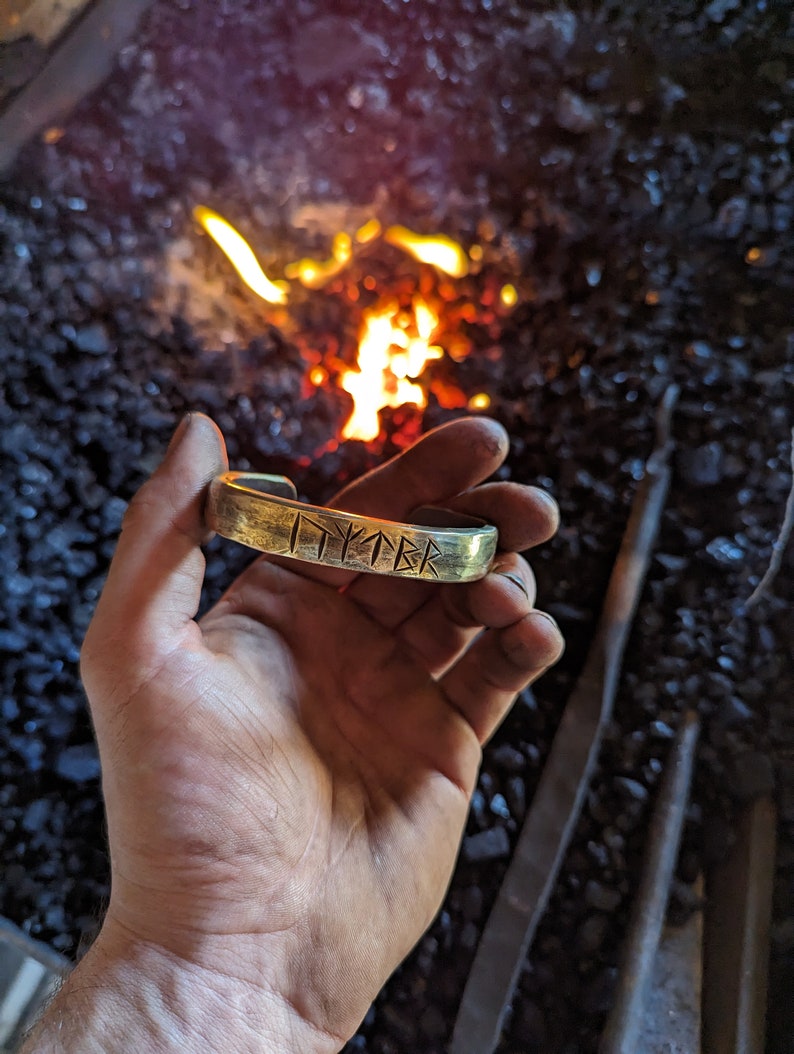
<point>261,511</point>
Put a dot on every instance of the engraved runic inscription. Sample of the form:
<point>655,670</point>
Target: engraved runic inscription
<point>379,539</point>
<point>406,557</point>
<point>395,551</point>
<point>348,536</point>
<point>322,541</point>
<point>431,552</point>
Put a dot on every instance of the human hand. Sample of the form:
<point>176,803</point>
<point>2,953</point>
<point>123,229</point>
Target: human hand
<point>287,780</point>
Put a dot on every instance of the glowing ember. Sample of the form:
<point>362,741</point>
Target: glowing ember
<point>241,255</point>
<point>508,296</point>
<point>438,250</point>
<point>394,347</point>
<point>756,256</point>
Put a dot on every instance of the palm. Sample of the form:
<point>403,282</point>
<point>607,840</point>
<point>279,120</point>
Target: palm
<point>348,736</point>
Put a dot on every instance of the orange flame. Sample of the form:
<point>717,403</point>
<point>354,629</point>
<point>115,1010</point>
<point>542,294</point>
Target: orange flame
<point>241,255</point>
<point>314,274</point>
<point>394,347</point>
<point>437,250</point>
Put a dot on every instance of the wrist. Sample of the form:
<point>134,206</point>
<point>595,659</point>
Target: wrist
<point>129,995</point>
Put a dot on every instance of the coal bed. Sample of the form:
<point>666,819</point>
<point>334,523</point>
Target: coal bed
<point>626,169</point>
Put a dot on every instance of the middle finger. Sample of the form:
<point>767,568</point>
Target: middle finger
<point>524,516</point>
<point>444,627</point>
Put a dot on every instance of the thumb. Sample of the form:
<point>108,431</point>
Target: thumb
<point>154,584</point>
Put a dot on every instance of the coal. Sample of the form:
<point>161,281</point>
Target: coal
<point>492,844</point>
<point>577,116</point>
<point>78,763</point>
<point>602,898</point>
<point>592,934</point>
<point>704,466</point>
<point>753,775</point>
<point>631,788</point>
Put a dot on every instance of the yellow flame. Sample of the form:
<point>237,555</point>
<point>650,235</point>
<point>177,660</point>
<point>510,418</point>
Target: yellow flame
<point>394,347</point>
<point>438,250</point>
<point>480,401</point>
<point>369,232</point>
<point>314,274</point>
<point>241,255</point>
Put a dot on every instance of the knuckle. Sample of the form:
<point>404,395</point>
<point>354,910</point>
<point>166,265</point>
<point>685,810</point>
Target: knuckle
<point>141,507</point>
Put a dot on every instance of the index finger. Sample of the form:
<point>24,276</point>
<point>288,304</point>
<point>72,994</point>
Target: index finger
<point>443,463</point>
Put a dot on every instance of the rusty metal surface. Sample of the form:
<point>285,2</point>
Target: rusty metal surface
<point>738,918</point>
<point>557,803</point>
<point>28,30</point>
<point>672,1018</point>
<point>78,64</point>
<point>625,1020</point>
<point>30,973</point>
<point>44,20</point>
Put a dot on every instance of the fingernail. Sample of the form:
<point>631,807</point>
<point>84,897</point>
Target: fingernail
<point>515,578</point>
<point>548,618</point>
<point>179,434</point>
<point>552,504</point>
<point>545,615</point>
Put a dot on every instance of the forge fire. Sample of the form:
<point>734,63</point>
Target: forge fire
<point>398,334</point>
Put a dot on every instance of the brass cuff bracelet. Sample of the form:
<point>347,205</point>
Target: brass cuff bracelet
<point>263,512</point>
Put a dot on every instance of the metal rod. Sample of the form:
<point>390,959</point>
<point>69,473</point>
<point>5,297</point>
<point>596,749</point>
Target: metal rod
<point>647,915</point>
<point>738,920</point>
